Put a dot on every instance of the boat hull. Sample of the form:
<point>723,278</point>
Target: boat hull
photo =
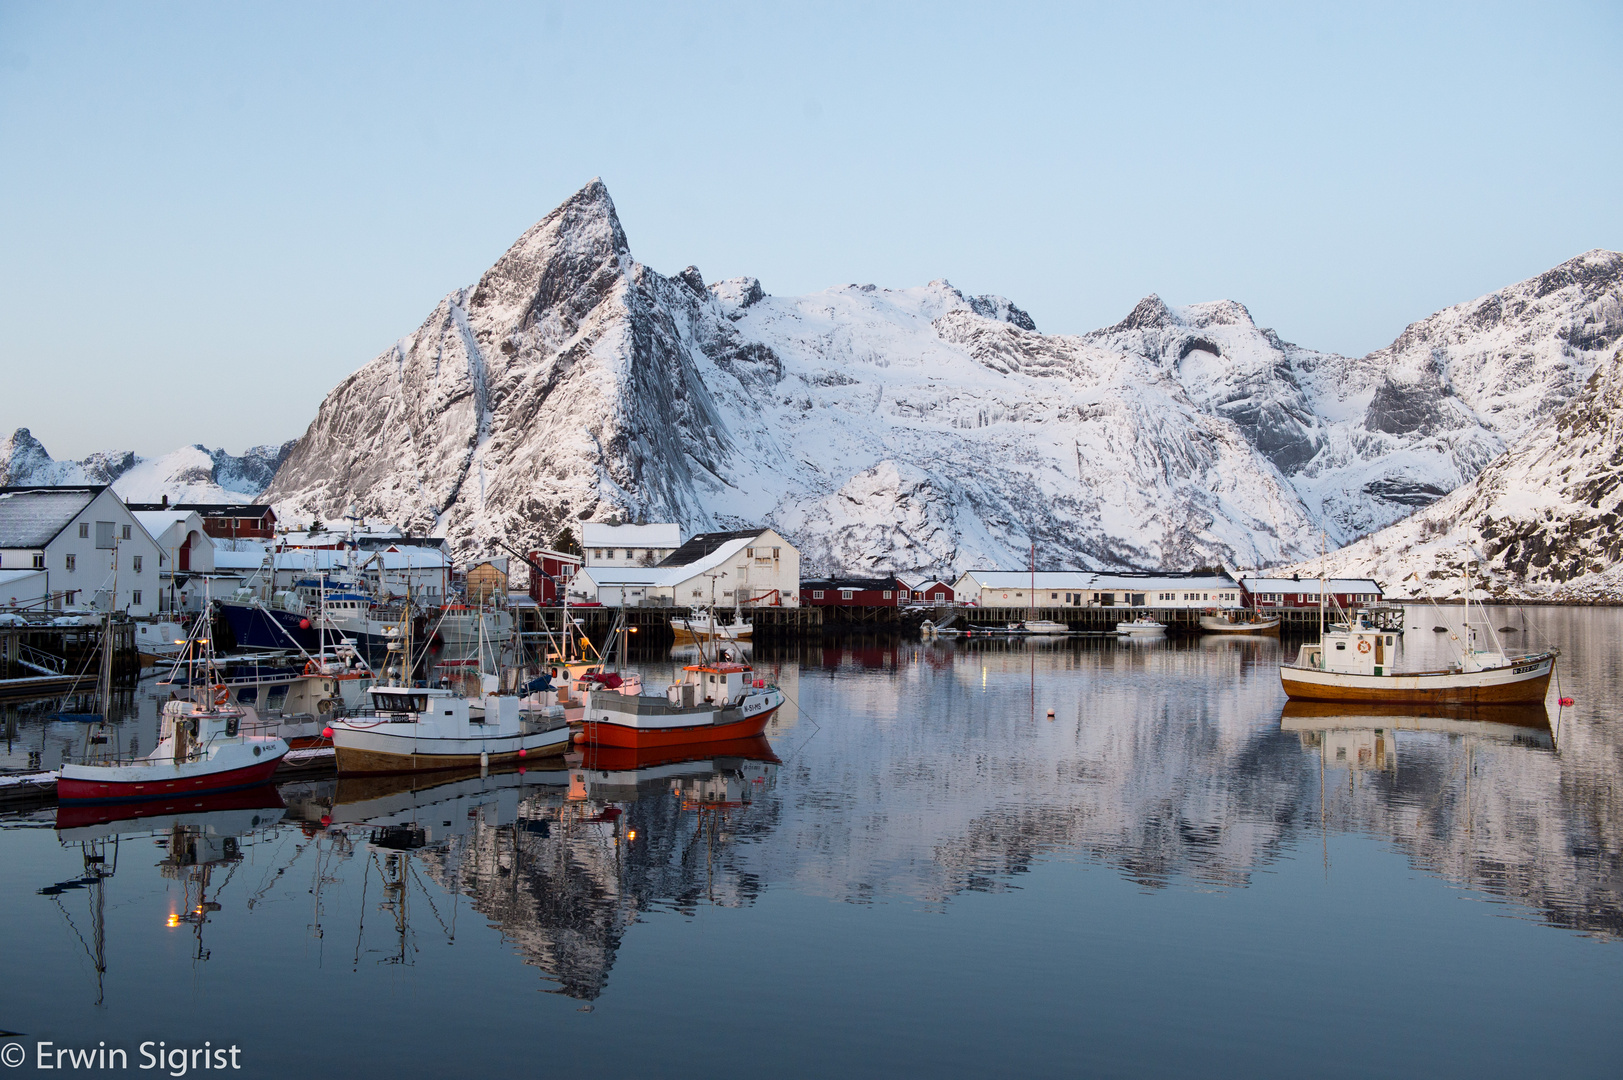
<point>1525,683</point>
<point>363,752</point>
<point>683,636</point>
<point>255,627</point>
<point>80,784</point>
<point>1212,625</point>
<point>601,733</point>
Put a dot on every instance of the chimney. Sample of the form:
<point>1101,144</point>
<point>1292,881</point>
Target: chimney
<point>166,502</point>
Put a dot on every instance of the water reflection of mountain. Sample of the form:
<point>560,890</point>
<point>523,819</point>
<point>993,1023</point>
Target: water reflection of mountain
<point>925,771</point>
<point>566,874</point>
<point>1166,763</point>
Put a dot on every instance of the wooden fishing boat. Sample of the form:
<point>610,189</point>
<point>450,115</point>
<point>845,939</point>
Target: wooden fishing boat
<point>1229,622</point>
<point>1353,661</point>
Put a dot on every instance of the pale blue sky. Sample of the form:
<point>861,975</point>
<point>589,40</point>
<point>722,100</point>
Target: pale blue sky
<point>212,213</point>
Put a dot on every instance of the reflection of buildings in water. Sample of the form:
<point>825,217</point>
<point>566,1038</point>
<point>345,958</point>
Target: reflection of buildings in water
<point>563,874</point>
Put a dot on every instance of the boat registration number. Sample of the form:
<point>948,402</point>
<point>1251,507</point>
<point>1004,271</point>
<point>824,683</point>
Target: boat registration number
<point>1526,668</point>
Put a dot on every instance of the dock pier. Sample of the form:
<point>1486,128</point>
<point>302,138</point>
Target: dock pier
<point>787,624</point>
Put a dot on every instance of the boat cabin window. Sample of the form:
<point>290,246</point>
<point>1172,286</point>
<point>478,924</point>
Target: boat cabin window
<point>1341,646</point>
<point>400,702</point>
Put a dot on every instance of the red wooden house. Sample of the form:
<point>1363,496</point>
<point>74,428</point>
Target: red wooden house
<point>548,589</point>
<point>854,592</point>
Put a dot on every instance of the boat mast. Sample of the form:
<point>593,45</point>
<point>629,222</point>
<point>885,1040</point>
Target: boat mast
<point>1323,585</point>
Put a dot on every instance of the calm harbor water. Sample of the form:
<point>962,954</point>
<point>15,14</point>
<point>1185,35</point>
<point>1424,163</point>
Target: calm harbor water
<point>921,871</point>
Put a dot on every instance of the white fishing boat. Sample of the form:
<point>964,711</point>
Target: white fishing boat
<point>160,641</point>
<point>701,625</point>
<point>460,626</point>
<point>1354,660</point>
<point>1239,622</point>
<point>1143,626</point>
<point>413,729</point>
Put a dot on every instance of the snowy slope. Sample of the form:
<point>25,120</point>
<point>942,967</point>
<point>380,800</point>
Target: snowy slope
<point>1366,441</point>
<point>905,429</point>
<point>1544,516</point>
<point>189,474</point>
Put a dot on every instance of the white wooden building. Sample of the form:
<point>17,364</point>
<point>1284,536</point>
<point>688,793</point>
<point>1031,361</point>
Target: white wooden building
<point>76,535</point>
<point>629,545</point>
<point>750,567</point>
<point>1087,588</point>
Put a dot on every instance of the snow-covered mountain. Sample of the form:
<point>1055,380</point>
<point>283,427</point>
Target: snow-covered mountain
<point>1543,516</point>
<point>190,474</point>
<point>913,428</point>
<point>1366,441</point>
<point>922,428</point>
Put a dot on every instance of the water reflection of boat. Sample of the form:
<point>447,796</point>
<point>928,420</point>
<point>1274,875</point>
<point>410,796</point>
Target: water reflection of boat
<point>367,798</point>
<point>258,806</point>
<point>197,833</point>
<point>621,758</point>
<point>1527,725</point>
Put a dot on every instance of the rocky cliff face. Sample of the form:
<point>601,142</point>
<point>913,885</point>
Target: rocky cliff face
<point>922,428</point>
<point>1540,521</point>
<point>1365,441</point>
<point>190,474</point>
<point>917,428</point>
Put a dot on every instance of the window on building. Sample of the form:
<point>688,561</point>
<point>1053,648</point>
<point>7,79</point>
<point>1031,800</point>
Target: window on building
<point>124,533</point>
<point>135,596</point>
<point>71,563</point>
<point>1053,596</point>
<point>817,594</point>
<point>940,596</point>
<point>749,553</point>
<point>887,594</point>
<point>775,554</point>
<point>135,564</point>
<point>846,594</point>
<point>39,561</point>
<point>84,530</point>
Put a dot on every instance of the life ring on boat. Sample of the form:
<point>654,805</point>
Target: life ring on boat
<point>222,694</point>
<point>310,668</point>
<point>1363,645</point>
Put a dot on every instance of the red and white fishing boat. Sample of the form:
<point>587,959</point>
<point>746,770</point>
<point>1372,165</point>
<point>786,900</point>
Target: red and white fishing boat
<point>712,702</point>
<point>200,749</point>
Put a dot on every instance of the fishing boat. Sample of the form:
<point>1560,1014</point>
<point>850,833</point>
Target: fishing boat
<point>1353,660</point>
<point>701,625</point>
<point>412,729</point>
<point>713,701</point>
<point>460,626</point>
<point>1143,626</point>
<point>159,641</point>
<point>1234,622</point>
<point>201,748</point>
